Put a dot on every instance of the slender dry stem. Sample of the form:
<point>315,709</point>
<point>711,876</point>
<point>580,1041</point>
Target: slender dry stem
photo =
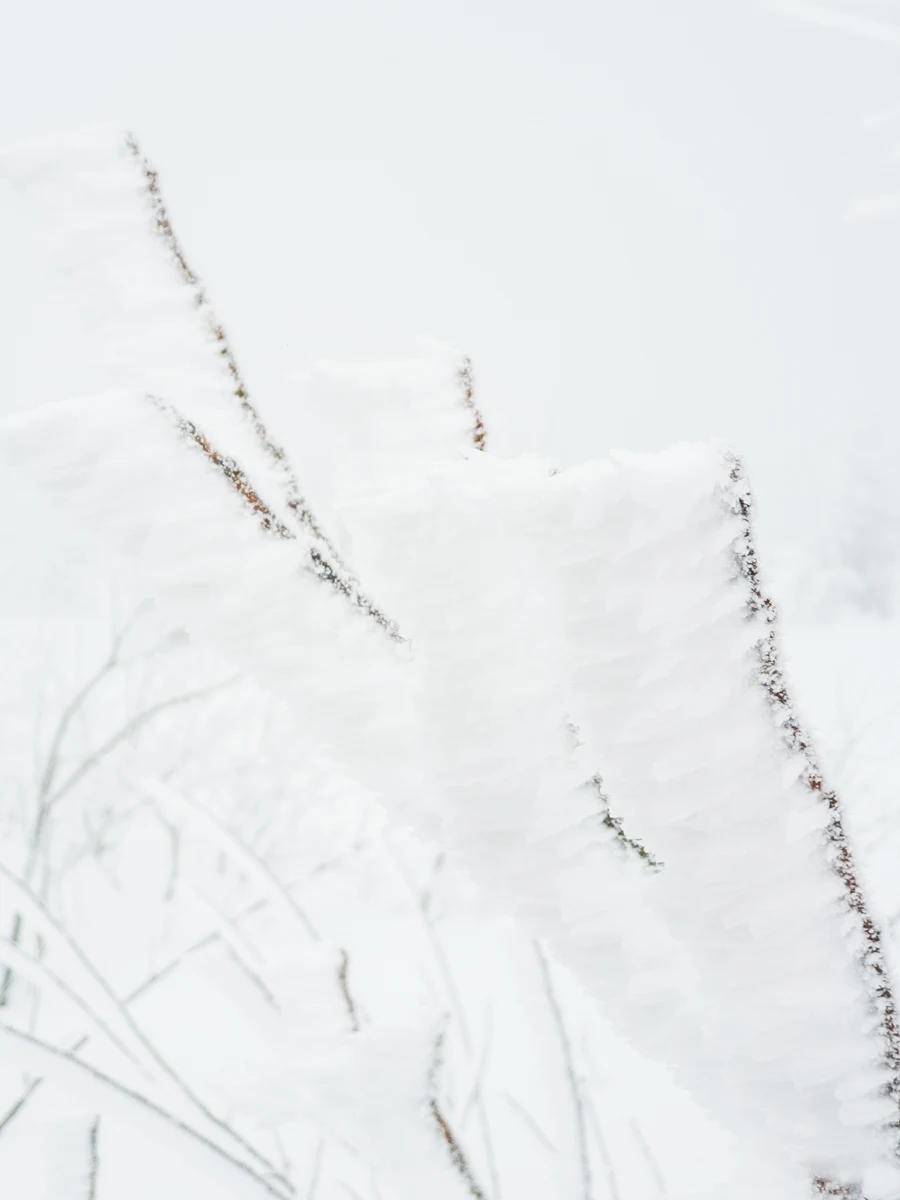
<point>54,1054</point>
<point>457,1155</point>
<point>571,1073</point>
<point>873,960</point>
<point>467,383</point>
<point>302,516</point>
<point>322,561</point>
<point>93,1159</point>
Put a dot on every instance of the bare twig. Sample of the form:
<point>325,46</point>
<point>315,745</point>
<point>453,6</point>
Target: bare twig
<point>28,965</point>
<point>422,907</point>
<point>53,1055</point>
<point>322,561</point>
<point>457,1154</point>
<point>235,847</point>
<point>475,1096</point>
<point>467,382</point>
<point>574,1081</point>
<point>825,1187</point>
<point>94,1159</point>
<point>321,546</point>
<point>614,824</point>
<point>13,1111</point>
<point>630,845</point>
<point>68,715</point>
<point>316,1171</point>
<point>422,902</point>
<point>532,1124</point>
<point>603,1150</point>
<point>134,1029</point>
<point>152,981</point>
<point>75,706</point>
<point>874,965</point>
<point>343,972</point>
<point>48,775</point>
<point>128,730</point>
<point>649,1157</point>
<point>276,453</point>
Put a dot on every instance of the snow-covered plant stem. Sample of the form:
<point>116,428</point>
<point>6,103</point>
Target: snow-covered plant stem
<point>322,549</point>
<point>840,852</point>
<point>467,382</point>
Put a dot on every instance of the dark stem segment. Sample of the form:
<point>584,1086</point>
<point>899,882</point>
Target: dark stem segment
<point>301,514</point>
<point>825,1187</point>
<point>872,956</point>
<point>467,383</point>
<point>631,845</point>
<point>344,982</point>
<point>457,1154</point>
<point>270,522</point>
<point>94,1159</point>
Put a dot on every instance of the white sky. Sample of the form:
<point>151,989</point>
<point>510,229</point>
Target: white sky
<point>632,213</point>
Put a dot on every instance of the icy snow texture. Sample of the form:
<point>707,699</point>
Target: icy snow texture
<point>607,591</point>
<point>638,551</point>
<point>140,321</point>
<point>632,562</point>
<point>613,585</point>
<point>192,541</point>
<point>364,428</point>
<point>661,662</point>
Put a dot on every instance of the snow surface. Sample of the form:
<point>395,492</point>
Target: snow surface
<point>559,649</point>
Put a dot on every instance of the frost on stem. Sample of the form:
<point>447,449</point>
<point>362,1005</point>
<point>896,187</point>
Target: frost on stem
<point>324,555</point>
<point>872,956</point>
<point>457,1154</point>
<point>627,844</point>
<point>467,383</point>
<point>614,824</point>
<point>269,521</point>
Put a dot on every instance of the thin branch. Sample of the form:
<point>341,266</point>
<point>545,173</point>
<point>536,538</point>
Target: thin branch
<point>630,845</point>
<point>316,1171</point>
<point>322,547</point>
<point>276,454</point>
<point>48,775</point>
<point>255,978</point>
<point>475,1094</point>
<point>343,971</point>
<point>129,729</point>
<point>457,1154</point>
<point>574,1082</point>
<point>825,1187</point>
<point>422,903</point>
<point>467,383</point>
<point>649,1157</point>
<point>17,1106</point>
<point>68,715</point>
<point>28,965</point>
<point>76,704</point>
<point>54,1056</point>
<point>876,971</point>
<point>94,1159</point>
<point>603,1150</point>
<point>152,981</point>
<point>322,562</point>
<point>237,849</point>
<point>422,907</point>
<point>614,824</point>
<point>140,1037</point>
<point>532,1124</point>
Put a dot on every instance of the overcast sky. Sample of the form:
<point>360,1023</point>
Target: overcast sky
<point>636,215</point>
